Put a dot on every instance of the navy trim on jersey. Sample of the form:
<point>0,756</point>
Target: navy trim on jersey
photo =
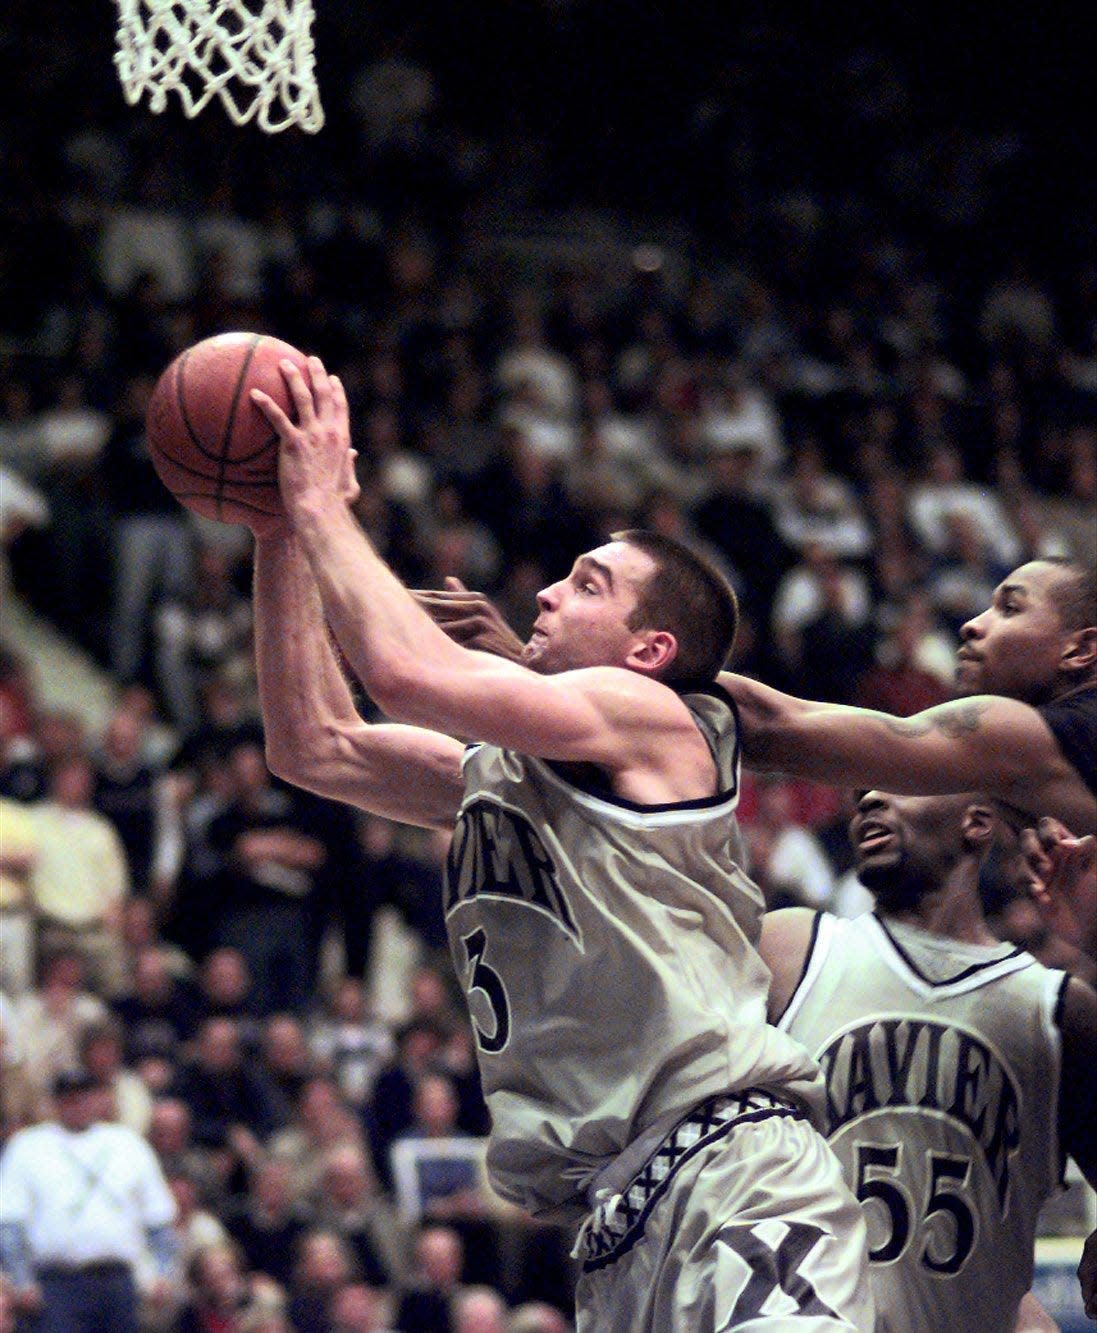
<point>570,773</point>
<point>814,939</point>
<point>1061,1002</point>
<point>968,971</point>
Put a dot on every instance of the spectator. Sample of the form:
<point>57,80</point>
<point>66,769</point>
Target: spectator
<point>81,875</point>
<point>425,1305</point>
<point>945,492</point>
<point>152,537</point>
<point>223,1300</point>
<point>273,858</point>
<point>125,793</point>
<point>480,1310</point>
<point>352,1207</point>
<point>58,1013</point>
<point>322,1122</point>
<point>160,1011</point>
<point>170,1134</point>
<point>270,1221</point>
<point>350,1043</point>
<point>357,1308</point>
<point>78,1199</point>
<point>786,858</point>
<point>101,1055</point>
<point>233,1104</point>
<point>324,1266</point>
<point>285,1058</point>
<point>18,855</point>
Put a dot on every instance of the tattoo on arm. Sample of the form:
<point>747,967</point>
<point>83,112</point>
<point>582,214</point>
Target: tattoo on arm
<point>952,720</point>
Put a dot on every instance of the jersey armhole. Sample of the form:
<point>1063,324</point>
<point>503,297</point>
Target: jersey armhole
<point>822,935</point>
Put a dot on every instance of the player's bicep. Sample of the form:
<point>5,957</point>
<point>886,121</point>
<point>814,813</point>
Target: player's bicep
<point>410,774</point>
<point>591,715</point>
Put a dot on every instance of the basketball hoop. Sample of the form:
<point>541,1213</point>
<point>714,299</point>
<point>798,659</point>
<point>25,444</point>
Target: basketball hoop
<point>255,55</point>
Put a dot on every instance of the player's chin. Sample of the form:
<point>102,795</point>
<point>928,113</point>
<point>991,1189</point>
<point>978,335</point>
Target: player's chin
<point>969,678</point>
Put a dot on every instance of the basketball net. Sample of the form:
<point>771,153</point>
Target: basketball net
<point>255,55</point>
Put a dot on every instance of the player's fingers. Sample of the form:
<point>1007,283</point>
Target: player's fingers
<point>338,394</point>
<point>1050,831</point>
<point>321,385</point>
<point>299,392</point>
<point>273,413</point>
<point>454,584</point>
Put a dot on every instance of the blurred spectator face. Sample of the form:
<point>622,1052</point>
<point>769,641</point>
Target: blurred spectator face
<point>103,1055</point>
<point>123,737</point>
<point>1015,646</point>
<point>428,992</point>
<point>537,1317</point>
<point>347,1178</point>
<point>324,1264</point>
<point>349,1002</point>
<point>169,1127</point>
<point>774,804</point>
<point>480,1310</point>
<point>440,1257</point>
<point>225,979</point>
<point>138,924</point>
<point>60,735</point>
<point>78,1110</point>
<point>217,1278</point>
<point>419,1044</point>
<point>63,972</point>
<point>273,1188</point>
<point>152,982</point>
<point>7,1307</point>
<point>320,1105</point>
<point>249,769</point>
<point>219,1046</point>
<point>185,1193</point>
<point>284,1046</point>
<point>72,782</point>
<point>435,1106</point>
<point>356,1309</point>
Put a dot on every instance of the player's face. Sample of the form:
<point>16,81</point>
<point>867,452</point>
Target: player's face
<point>905,845</point>
<point>1014,647</point>
<point>583,619</point>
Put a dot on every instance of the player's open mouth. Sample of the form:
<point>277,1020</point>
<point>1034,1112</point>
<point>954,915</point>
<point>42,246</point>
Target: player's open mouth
<point>871,837</point>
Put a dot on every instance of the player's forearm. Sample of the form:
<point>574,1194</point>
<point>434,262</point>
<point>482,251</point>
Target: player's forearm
<point>386,636</point>
<point>302,690</point>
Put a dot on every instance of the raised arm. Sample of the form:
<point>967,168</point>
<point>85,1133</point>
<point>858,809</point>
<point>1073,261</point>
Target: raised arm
<point>315,738</point>
<point>982,743</point>
<point>410,667</point>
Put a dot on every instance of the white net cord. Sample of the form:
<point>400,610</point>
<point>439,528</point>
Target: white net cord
<point>255,55</point>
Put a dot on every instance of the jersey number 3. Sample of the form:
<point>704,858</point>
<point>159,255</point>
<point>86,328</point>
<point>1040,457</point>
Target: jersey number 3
<point>485,979</point>
<point>884,1186</point>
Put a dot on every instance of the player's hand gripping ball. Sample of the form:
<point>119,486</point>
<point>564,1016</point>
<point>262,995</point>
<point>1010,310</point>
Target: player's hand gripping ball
<point>212,447</point>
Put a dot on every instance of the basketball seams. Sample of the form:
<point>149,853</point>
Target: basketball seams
<point>226,438</point>
<point>192,471</point>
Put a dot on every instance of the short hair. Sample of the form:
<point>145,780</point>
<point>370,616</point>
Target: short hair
<point>691,599</point>
<point>1075,593</point>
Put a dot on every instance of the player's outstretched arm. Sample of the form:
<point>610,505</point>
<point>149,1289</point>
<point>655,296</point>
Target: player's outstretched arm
<point>410,667</point>
<point>984,742</point>
<point>315,738</point>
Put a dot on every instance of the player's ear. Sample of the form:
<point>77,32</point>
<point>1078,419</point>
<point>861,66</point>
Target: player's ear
<point>978,826</point>
<point>1080,652</point>
<point>654,652</point>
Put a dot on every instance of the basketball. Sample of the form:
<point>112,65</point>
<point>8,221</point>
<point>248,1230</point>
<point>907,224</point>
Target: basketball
<point>211,446</point>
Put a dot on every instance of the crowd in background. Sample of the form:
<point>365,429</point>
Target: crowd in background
<point>858,389</point>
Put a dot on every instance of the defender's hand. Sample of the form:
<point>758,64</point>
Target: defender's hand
<point>1063,883</point>
<point>471,619</point>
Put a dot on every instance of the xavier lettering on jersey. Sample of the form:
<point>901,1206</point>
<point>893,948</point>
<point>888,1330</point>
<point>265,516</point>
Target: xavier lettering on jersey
<point>496,852</point>
<point>914,1064</point>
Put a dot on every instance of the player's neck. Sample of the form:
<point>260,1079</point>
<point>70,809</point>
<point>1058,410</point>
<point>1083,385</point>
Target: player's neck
<point>952,910</point>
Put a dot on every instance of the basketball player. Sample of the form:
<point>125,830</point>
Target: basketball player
<point>1027,735</point>
<point>958,1069</point>
<point>597,914</point>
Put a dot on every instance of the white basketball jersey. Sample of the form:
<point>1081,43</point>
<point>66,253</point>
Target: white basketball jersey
<point>608,954</point>
<point>941,1061</point>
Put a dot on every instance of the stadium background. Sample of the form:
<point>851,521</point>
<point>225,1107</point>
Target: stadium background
<point>820,295</point>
